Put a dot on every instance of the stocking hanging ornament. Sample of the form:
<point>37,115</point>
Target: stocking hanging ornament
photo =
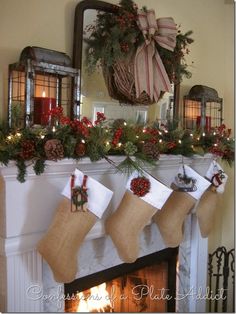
<point>84,202</point>
<point>188,187</point>
<point>207,206</point>
<point>144,195</point>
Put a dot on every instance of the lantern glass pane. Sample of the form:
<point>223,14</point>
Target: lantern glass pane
<point>18,84</point>
<point>17,98</point>
<point>45,86</point>
<point>192,110</point>
<point>214,110</point>
<point>66,95</point>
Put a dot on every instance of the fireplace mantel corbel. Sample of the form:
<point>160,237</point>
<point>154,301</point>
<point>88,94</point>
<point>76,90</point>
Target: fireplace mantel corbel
<point>27,210</point>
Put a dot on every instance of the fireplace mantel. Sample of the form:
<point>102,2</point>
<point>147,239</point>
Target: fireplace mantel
<point>27,210</point>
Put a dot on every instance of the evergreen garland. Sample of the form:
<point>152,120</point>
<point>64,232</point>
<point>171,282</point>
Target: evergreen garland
<point>141,145</point>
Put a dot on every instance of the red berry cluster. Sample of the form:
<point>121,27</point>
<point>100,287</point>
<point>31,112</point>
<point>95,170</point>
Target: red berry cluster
<point>140,186</point>
<point>151,131</point>
<point>87,122</point>
<point>65,120</point>
<point>27,149</point>
<point>223,131</point>
<point>100,118</point>
<point>171,145</point>
<point>216,151</point>
<point>56,112</point>
<point>153,140</point>
<point>117,136</point>
<point>124,47</point>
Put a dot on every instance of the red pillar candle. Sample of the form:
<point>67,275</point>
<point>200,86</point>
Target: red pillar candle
<point>42,105</point>
<point>207,123</point>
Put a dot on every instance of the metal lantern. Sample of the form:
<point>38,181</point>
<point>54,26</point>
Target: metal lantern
<point>42,80</point>
<point>203,108</point>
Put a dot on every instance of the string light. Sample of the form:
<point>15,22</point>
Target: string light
<point>137,136</point>
<point>53,129</point>
<point>18,134</point>
<point>166,131</point>
<point>119,144</point>
<point>215,144</point>
<point>83,141</point>
<point>160,141</point>
<point>203,134</point>
<point>125,123</point>
<point>42,136</point>
<point>144,130</point>
<point>107,143</point>
<point>160,133</point>
<point>179,141</point>
<point>198,138</point>
<point>9,137</point>
<point>191,134</point>
<point>214,133</point>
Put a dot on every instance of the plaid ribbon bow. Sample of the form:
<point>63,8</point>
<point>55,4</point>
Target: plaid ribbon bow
<point>150,73</point>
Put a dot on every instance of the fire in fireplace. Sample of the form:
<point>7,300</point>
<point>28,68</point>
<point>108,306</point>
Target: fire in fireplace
<point>148,285</point>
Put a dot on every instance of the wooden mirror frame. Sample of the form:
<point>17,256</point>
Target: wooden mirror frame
<point>78,40</point>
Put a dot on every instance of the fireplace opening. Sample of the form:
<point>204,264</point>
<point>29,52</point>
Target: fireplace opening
<point>147,285</point>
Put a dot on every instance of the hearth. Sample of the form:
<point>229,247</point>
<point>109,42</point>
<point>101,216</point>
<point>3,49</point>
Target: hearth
<point>147,285</point>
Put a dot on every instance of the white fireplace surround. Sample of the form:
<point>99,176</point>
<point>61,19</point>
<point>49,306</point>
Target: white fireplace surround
<point>27,209</point>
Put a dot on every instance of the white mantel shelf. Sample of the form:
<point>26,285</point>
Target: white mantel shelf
<point>27,210</point>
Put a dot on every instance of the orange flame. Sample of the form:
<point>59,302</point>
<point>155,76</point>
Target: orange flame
<point>98,300</point>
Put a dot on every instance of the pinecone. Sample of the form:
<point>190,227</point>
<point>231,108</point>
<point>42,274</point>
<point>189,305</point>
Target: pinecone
<point>151,150</point>
<point>54,149</point>
<point>80,149</point>
<point>118,123</point>
<point>130,148</point>
<point>94,152</point>
<point>27,149</point>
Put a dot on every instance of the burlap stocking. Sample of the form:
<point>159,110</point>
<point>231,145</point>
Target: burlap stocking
<point>205,211</point>
<point>59,246</point>
<point>132,215</point>
<point>171,218</point>
<point>125,225</point>
<point>208,203</point>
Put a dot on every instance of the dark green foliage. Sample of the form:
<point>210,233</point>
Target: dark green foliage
<point>21,166</point>
<point>39,166</point>
<point>174,62</point>
<point>113,36</point>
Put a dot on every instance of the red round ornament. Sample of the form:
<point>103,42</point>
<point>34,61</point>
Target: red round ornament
<point>140,186</point>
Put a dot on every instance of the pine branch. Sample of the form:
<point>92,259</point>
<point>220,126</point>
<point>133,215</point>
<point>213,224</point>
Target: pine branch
<point>39,166</point>
<point>21,170</point>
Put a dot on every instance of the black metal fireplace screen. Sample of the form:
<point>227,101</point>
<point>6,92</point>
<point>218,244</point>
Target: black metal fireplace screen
<point>221,280</point>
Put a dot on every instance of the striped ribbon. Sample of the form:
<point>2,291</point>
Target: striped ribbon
<point>149,71</point>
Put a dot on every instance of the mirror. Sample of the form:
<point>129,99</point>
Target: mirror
<point>94,96</point>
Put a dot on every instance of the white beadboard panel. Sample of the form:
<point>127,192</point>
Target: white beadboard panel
<point>2,208</point>
<point>24,272</point>
<point>3,284</point>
